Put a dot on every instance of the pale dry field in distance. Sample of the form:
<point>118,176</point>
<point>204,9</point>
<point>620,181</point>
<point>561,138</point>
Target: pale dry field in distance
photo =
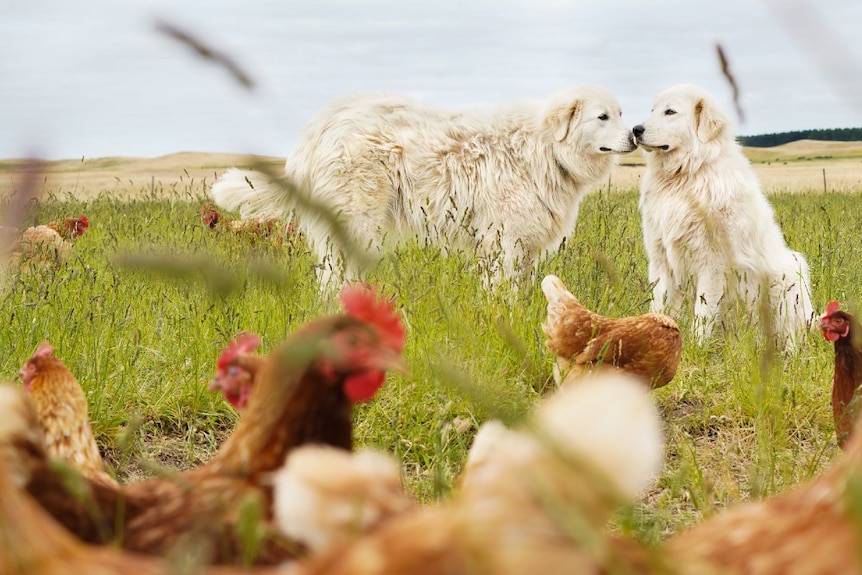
<point>794,167</point>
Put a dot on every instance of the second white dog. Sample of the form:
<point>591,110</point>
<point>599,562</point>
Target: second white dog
<point>709,231</point>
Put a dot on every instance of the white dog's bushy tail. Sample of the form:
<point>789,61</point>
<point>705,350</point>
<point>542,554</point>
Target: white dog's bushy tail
<point>252,194</point>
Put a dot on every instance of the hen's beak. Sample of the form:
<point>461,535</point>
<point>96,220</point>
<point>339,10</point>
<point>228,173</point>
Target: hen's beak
<point>388,360</point>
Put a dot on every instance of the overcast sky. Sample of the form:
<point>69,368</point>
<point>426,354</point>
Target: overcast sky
<point>93,78</point>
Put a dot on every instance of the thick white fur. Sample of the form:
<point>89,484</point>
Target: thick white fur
<point>506,182</point>
<point>709,231</point>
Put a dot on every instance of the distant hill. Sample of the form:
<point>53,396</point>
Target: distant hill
<point>834,135</point>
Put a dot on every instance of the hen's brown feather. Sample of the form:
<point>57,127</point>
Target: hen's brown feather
<point>291,404</point>
<point>39,246</point>
<point>648,346</point>
<point>287,408</point>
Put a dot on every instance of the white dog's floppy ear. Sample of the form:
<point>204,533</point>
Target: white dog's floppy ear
<point>561,118</point>
<point>708,121</point>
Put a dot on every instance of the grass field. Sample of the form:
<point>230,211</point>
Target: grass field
<point>151,295</point>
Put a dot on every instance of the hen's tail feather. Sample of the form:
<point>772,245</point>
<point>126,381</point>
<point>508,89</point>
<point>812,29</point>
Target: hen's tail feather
<point>568,325</point>
<point>555,290</point>
<point>559,298</point>
<point>252,194</point>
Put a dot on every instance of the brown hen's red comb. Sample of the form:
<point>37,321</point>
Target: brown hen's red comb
<point>361,302</point>
<point>45,349</point>
<point>243,343</point>
<point>209,215</point>
<point>832,307</point>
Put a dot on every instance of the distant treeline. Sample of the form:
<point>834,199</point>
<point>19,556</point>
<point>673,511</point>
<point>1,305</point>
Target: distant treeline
<point>769,140</point>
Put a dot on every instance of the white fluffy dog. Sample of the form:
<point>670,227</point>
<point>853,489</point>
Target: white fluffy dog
<point>506,182</point>
<point>707,225</point>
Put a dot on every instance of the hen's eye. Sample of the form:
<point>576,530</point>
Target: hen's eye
<point>603,117</point>
<point>669,112</point>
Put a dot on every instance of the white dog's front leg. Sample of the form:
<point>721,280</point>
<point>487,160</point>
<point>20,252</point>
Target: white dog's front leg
<point>505,260</point>
<point>666,294</point>
<point>710,289</point>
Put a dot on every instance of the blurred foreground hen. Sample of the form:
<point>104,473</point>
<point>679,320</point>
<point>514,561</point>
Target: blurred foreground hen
<point>537,503</point>
<point>813,529</point>
<point>31,542</point>
<point>648,346</point>
<point>303,394</point>
<point>63,414</point>
<point>844,331</point>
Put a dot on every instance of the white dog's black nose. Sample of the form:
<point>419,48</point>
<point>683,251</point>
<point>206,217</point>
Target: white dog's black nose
<point>638,130</point>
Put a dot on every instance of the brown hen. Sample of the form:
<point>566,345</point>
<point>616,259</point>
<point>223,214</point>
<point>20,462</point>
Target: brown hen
<point>63,413</point>
<point>648,346</point>
<point>844,331</point>
<point>70,229</point>
<point>47,244</point>
<point>237,369</point>
<point>303,394</point>
<point>273,230</point>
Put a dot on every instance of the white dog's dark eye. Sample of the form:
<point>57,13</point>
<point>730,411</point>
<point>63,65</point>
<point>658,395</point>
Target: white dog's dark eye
<point>669,112</point>
<point>604,117</point>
